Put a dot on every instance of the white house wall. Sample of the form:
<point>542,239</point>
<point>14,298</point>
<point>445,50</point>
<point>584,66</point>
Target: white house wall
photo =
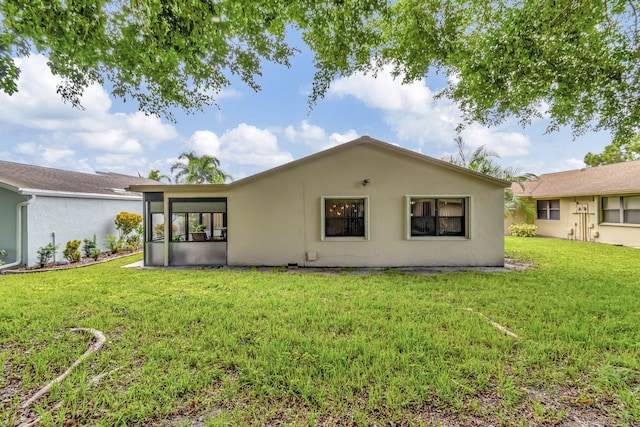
<point>72,219</point>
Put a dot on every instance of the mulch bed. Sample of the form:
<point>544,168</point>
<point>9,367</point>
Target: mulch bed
<point>63,265</point>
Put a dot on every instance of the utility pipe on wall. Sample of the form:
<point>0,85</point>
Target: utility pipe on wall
<point>18,260</point>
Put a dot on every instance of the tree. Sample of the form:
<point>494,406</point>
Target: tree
<point>198,169</point>
<point>156,175</point>
<point>614,153</point>
<point>482,160</point>
<point>576,62</point>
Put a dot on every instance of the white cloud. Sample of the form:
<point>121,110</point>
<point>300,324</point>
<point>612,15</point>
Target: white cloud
<point>28,148</point>
<point>205,142</point>
<point>62,130</point>
<point>316,137</point>
<point>573,163</point>
<point>55,156</point>
<point>415,115</point>
<point>504,144</point>
<point>245,145</point>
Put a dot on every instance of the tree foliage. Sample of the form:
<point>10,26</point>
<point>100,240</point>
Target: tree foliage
<point>575,62</point>
<point>194,169</point>
<point>483,160</point>
<point>615,153</point>
<point>156,175</point>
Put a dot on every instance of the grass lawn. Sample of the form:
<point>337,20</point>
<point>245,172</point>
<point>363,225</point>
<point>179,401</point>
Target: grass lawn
<point>224,347</point>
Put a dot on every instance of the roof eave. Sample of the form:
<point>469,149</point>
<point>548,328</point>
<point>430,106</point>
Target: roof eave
<point>70,194</point>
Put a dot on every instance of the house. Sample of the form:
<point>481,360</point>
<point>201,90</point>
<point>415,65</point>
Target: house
<point>598,204</point>
<point>41,205</point>
<point>364,203</point>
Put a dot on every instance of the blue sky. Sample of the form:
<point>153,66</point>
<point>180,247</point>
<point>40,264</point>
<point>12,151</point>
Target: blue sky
<point>251,132</point>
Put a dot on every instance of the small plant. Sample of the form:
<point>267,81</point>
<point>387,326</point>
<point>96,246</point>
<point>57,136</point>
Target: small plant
<point>95,253</point>
<point>46,254</point>
<point>113,243</point>
<point>126,222</point>
<point>72,251</point>
<point>89,245</point>
<point>199,227</point>
<point>3,253</point>
<point>523,230</point>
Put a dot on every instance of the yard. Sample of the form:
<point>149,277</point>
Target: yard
<point>225,347</point>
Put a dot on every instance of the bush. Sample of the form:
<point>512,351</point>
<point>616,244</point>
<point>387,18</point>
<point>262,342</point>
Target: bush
<point>113,243</point>
<point>72,252</point>
<point>523,230</point>
<point>134,240</point>
<point>90,245</point>
<point>95,253</point>
<point>126,222</point>
<point>46,253</point>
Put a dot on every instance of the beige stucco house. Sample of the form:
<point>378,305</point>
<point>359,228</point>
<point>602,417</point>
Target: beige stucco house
<point>363,203</point>
<point>599,204</point>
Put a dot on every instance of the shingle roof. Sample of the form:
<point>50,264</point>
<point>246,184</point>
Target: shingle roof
<point>29,179</point>
<point>617,178</point>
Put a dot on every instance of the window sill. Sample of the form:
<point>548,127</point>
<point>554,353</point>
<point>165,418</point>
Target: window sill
<point>441,238</point>
<point>345,239</point>
<point>618,224</point>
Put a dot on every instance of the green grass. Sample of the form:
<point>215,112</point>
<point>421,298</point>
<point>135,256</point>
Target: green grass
<point>221,347</point>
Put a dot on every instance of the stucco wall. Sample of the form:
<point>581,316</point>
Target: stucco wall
<point>72,218</point>
<point>277,220</point>
<point>8,202</point>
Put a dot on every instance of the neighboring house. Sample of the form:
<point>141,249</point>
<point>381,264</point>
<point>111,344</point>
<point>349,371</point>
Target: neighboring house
<point>599,204</point>
<point>365,203</point>
<point>39,205</point>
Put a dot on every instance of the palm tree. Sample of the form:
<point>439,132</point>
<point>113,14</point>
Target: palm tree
<point>156,175</point>
<point>481,160</point>
<point>198,169</point>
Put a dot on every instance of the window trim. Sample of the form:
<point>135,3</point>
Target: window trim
<point>621,210</point>
<point>367,210</point>
<point>468,203</point>
<point>548,210</point>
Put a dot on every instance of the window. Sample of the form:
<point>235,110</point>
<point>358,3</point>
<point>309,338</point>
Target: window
<point>549,209</point>
<point>154,217</point>
<point>437,216</point>
<point>194,220</point>
<point>621,210</point>
<point>345,217</point>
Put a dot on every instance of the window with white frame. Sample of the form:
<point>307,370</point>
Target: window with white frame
<point>437,216</point>
<point>621,209</point>
<point>549,209</point>
<point>345,217</point>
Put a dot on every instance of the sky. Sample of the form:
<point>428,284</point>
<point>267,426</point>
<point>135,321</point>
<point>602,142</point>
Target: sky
<point>253,131</point>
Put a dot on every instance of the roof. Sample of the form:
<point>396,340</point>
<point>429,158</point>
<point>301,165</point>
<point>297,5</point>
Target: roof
<point>29,179</point>
<point>364,140</point>
<point>614,179</point>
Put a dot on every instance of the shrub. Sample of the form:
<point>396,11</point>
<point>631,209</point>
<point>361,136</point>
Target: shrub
<point>3,253</point>
<point>523,230</point>
<point>126,222</point>
<point>95,253</point>
<point>46,253</point>
<point>90,245</point>
<point>134,240</point>
<point>113,243</point>
<point>72,252</point>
